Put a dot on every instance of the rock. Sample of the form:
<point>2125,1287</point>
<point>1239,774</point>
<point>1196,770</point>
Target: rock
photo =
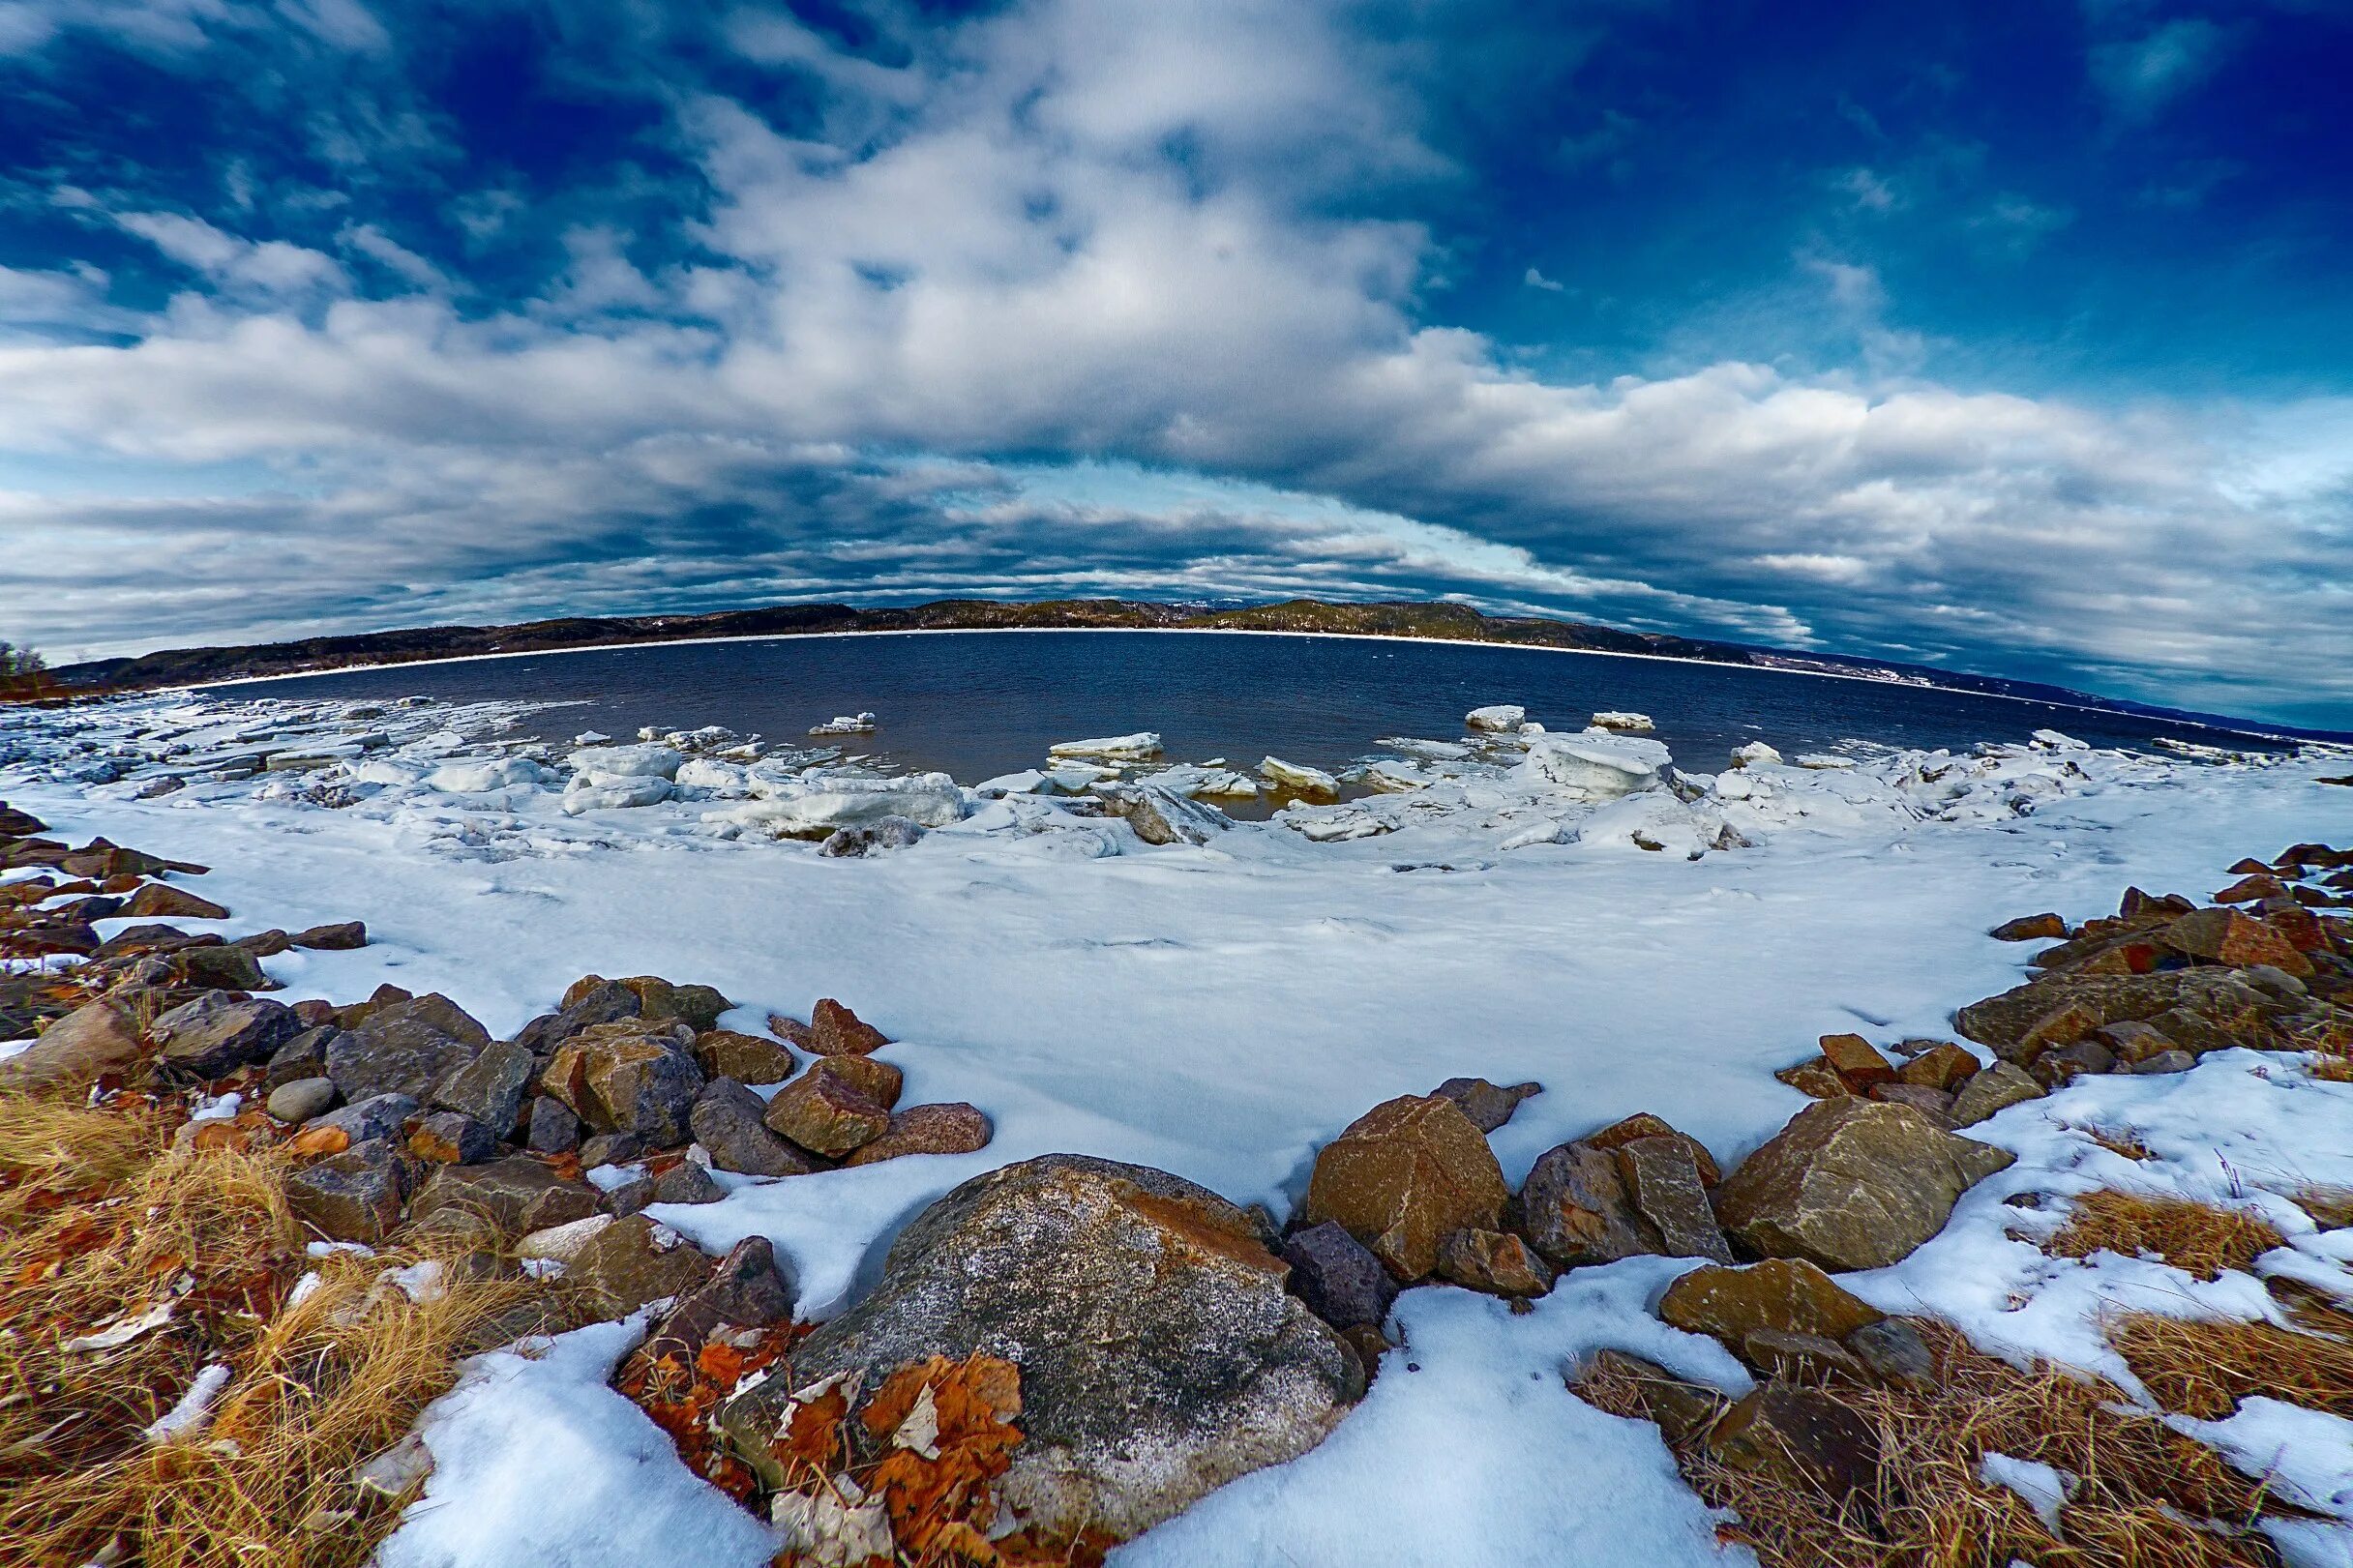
<point>1575,1210</point>
<point>1941,1066</point>
<point>449,1138</point>
<point>1893,1353</point>
<point>687,1182</point>
<point>560,1243</point>
<point>951,1127</point>
<point>160,900</point>
<point>1494,1262</point>
<point>1341,1282</point>
<point>1852,1184</point>
<point>1641,1124</point>
<point>633,1262</point>
<point>263,944</point>
<point>834,1030</point>
<point>315,1013</point>
<point>1663,1183</point>
<point>1801,1358</point>
<point>2227,936</point>
<point>1995,1087</point>
<point>2052,1068</point>
<point>1934,1104</point>
<point>402,1048</point>
<point>878,1080</point>
<point>611,1148</point>
<point>490,1088</point>
<point>517,1194</point>
<point>1682,1409</point>
<point>551,1128</point>
<point>1487,1105</point>
<point>133,939</point>
<point>747,1058</point>
<point>1788,1295</point>
<point>2030,929</point>
<point>302,1099</point>
<point>623,1078</point>
<point>1856,1062</point>
<point>2164,1061</point>
<point>791,1031</point>
<point>1160,815</point>
<point>355,1196</point>
<point>823,1112</point>
<point>95,1038</point>
<point>378,1118</point>
<point>358,1013</point>
<point>629,1196</point>
<point>727,1121</point>
<point>1403,1175</point>
<point>1159,1356</point>
<point>2003,1022</point>
<point>215,1034</point>
<point>219,968</point>
<point>858,840</point>
<point>661,1002</point>
<point>1815,1077</point>
<point>1801,1438</point>
<point>338,937</point>
<point>747,1290</point>
<point>601,1001</point>
<point>2252,888</point>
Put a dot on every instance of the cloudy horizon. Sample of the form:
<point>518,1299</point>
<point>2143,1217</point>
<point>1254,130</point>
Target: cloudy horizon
<point>2011,338</point>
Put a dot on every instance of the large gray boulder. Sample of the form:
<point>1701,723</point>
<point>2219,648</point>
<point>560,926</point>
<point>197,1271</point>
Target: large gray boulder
<point>1160,1356</point>
<point>219,1033</point>
<point>407,1048</point>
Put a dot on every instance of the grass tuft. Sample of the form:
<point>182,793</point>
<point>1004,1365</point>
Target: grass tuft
<point>2200,1239</point>
<point>2204,1367</point>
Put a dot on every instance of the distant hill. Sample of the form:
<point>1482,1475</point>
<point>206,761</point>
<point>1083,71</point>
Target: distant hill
<point>1433,619</point>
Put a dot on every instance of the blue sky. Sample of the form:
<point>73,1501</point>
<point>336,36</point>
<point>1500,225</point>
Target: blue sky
<point>2010,336</point>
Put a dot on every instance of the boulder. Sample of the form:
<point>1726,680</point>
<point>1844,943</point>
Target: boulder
<point>219,1033</point>
<point>687,1182</point>
<point>1641,1124</point>
<point>1893,1353</point>
<point>2004,1022</point>
<point>301,1099</point>
<point>1934,1104</point>
<point>160,900</point>
<point>1801,1358</point>
<point>661,1002</point>
<point>834,1030</point>
<point>1798,1437</point>
<point>400,1049</point>
<point>1941,1066</point>
<point>1341,1282</point>
<point>338,937</point>
<point>748,1289</point>
<point>1160,1356</point>
<point>448,1138</point>
<point>878,1080</point>
<point>2030,929</point>
<point>490,1088</point>
<point>551,1127</point>
<point>517,1194</point>
<point>951,1127</point>
<point>727,1121</point>
<point>2227,936</point>
<point>611,1148</point>
<point>1857,1062</point>
<point>1402,1176</point>
<point>1995,1087</point>
<point>1663,1183</point>
<point>95,1038</point>
<point>2052,1068</point>
<point>215,967</point>
<point>1785,1295</point>
<point>1493,1262</point>
<point>628,1078</point>
<point>633,1262</point>
<point>1814,1078</point>
<point>1852,1184</point>
<point>1575,1210</point>
<point>589,1002</point>
<point>380,1117</point>
<point>264,944</point>
<point>355,1196</point>
<point>1487,1105</point>
<point>747,1058</point>
<point>825,1112</point>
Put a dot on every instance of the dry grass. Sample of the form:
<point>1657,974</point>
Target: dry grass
<point>2198,1238</point>
<point>2203,1366</point>
<point>315,1386</point>
<point>2145,1496</point>
<point>2126,1141</point>
<point>2331,1207</point>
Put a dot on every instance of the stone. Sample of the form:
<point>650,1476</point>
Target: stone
<point>2164,1061</point>
<point>1487,1105</point>
<point>1801,1358</point>
<point>160,900</point>
<point>834,1030</point>
<point>215,968</point>
<point>687,1182</point>
<point>622,1078</point>
<point>1815,1077</point>
<point>1663,1183</point>
<point>727,1121</point>
<point>97,1038</point>
<point>263,944</point>
<point>401,1049</point>
<point>1943,1066</point>
<point>1856,1062</point>
<point>2053,1068</point>
<point>1684,1410</point>
<point>1160,1356</point>
<point>314,1012</point>
<point>747,1058</point>
<point>793,1031</point>
<point>302,1099</point>
<point>878,1080</point>
<point>560,1243</point>
<point>2227,936</point>
<point>1852,1184</point>
<point>517,1194</point>
<point>551,1127</point>
<point>1801,1438</point>
<point>661,1002</point>
<point>611,1148</point>
<point>1161,816</point>
<point>1893,1353</point>
<point>747,1290</point>
<point>337,937</point>
<point>1996,1087</point>
<point>380,1117</point>
<point>2030,929</point>
<point>1641,1124</point>
<point>217,1034</point>
<point>1494,1262</point>
<point>1575,1210</point>
<point>1403,1175</point>
<point>449,1138</point>
<point>1339,1279</point>
<point>633,1262</point>
<point>490,1088</point>
<point>2252,888</point>
<point>355,1196</point>
<point>2003,1022</point>
<point>585,1006</point>
<point>1787,1295</point>
<point>1934,1104</point>
<point>629,1196</point>
<point>951,1127</point>
<point>133,939</point>
<point>824,1112</point>
<point>358,1013</point>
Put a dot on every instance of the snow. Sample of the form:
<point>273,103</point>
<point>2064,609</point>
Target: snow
<point>1300,776</point>
<point>1142,744</point>
<point>195,1408</point>
<point>1222,1010</point>
<point>1497,718</point>
<point>1611,720</point>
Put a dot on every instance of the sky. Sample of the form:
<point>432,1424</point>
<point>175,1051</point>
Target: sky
<point>2014,338</point>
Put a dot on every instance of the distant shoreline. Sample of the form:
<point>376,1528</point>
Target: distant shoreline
<point>1231,631</point>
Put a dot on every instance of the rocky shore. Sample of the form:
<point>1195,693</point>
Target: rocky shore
<point>1062,1354</point>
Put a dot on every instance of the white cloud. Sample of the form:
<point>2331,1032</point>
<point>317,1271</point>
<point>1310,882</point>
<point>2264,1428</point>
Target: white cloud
<point>2140,75</point>
<point>1536,279</point>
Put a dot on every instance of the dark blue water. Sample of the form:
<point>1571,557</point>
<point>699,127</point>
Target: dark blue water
<point>975,704</point>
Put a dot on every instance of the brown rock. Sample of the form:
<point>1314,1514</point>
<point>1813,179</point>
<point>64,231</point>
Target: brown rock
<point>633,1262</point>
<point>1803,1359</point>
<point>217,1033</point>
<point>1943,1066</point>
<point>627,1076</point>
<point>834,1030</point>
<point>160,900</point>
<point>97,1038</point>
<point>1403,1175</point>
<point>1641,1124</point>
<point>1934,1104</point>
<point>1815,1077</point>
<point>1789,1295</point>
<point>1856,1062</point>
<point>2030,929</point>
<point>264,944</point>
<point>1682,1409</point>
<point>448,1138</point>
<point>878,1080</point>
<point>728,1122</point>
<point>951,1128</point>
<point>2053,1068</point>
<point>337,937</point>
<point>1494,1262</point>
<point>1664,1184</point>
<point>1574,1209</point>
<point>825,1112</point>
<point>353,1196</point>
<point>661,1002</point>
<point>793,1031</point>
<point>2227,936</point>
<point>2003,1022</point>
<point>747,1058</point>
<point>1852,1184</point>
<point>748,1289</point>
<point>2254,888</point>
<point>1996,1087</point>
<point>1801,1438</point>
<point>516,1195</point>
<point>1487,1105</point>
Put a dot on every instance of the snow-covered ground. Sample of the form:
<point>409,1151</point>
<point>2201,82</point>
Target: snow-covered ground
<point>1221,1010</point>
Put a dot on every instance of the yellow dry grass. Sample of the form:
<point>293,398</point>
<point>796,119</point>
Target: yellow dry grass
<point>315,1386</point>
<point>2203,1366</point>
<point>2144,1495</point>
<point>2201,1239</point>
